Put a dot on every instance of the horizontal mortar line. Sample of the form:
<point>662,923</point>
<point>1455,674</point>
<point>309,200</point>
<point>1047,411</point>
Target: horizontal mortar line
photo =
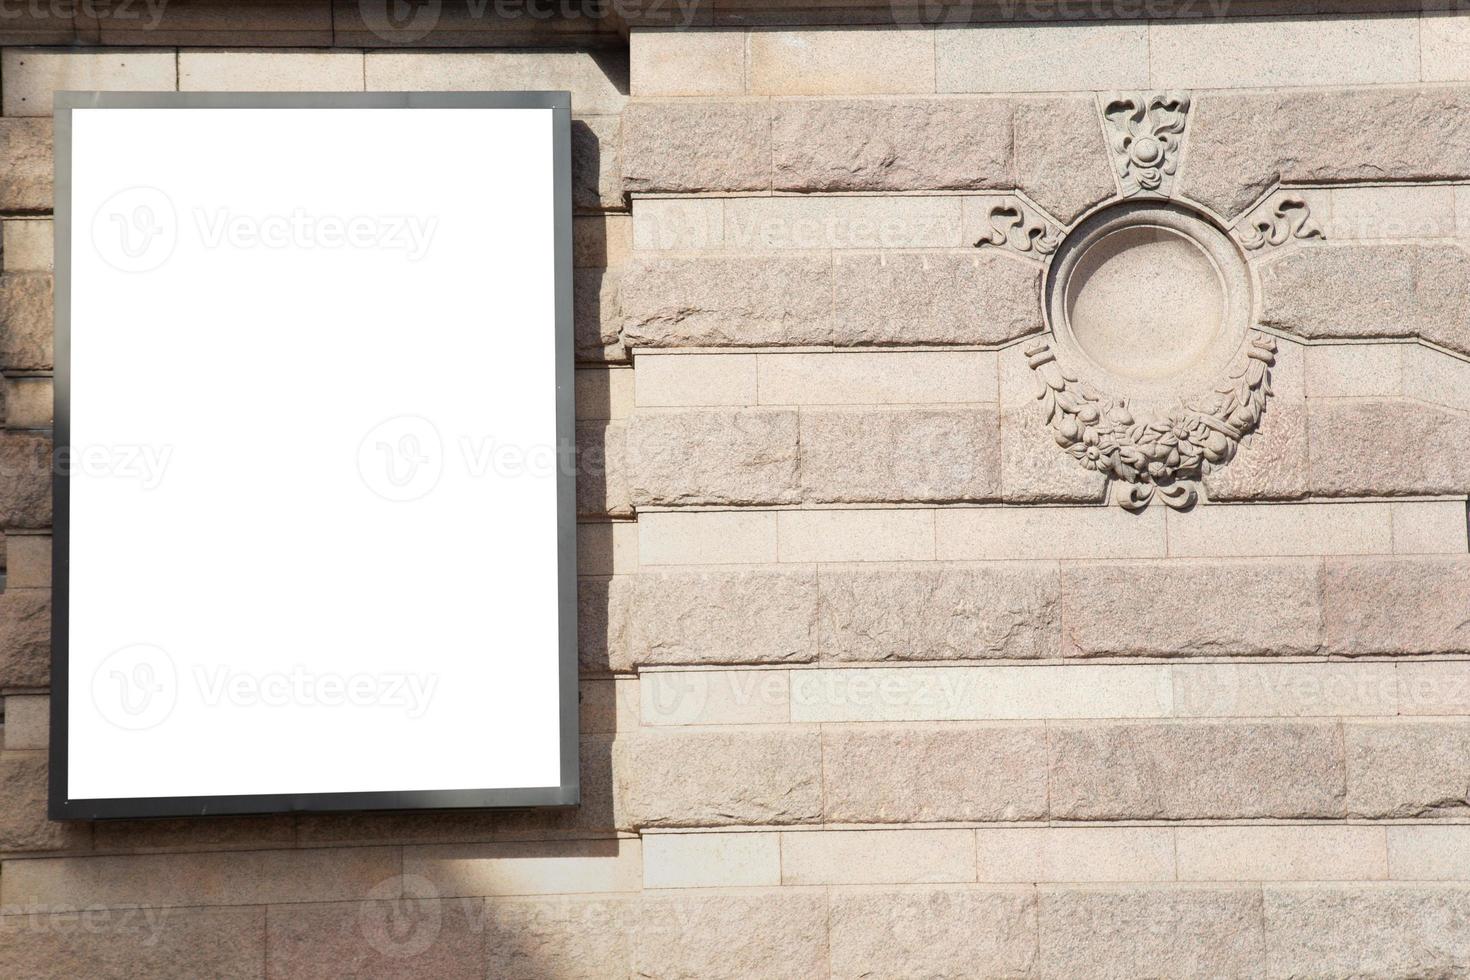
<point>1175,661</point>
<point>1020,507</point>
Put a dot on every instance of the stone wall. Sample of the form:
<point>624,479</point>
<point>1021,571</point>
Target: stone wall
<point>878,678</point>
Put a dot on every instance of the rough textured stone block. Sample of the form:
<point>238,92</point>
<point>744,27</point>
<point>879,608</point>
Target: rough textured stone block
<point>891,144</point>
<point>223,944</point>
<point>947,612</point>
<point>1271,462</point>
<point>712,779</point>
<point>1396,606</point>
<point>25,480</point>
<point>28,403</point>
<point>1400,289</point>
<point>935,298</point>
<point>934,932</point>
<point>1408,769</point>
<point>728,300</point>
<point>697,146</point>
<point>602,623</point>
<point>758,616</point>
<point>571,938</point>
<point>27,245</point>
<point>602,479</point>
<point>1185,607</point>
<point>25,321</point>
<point>597,316</point>
<point>775,935</point>
<point>25,638</point>
<point>1117,933</point>
<point>1196,770</point>
<point>1367,930</point>
<point>1378,447</point>
<point>916,775</point>
<point>713,456</point>
<point>378,940</point>
<point>23,823</point>
<point>597,180</point>
<point>1239,143</point>
<point>25,178</point>
<point>1061,160</point>
<point>904,454</point>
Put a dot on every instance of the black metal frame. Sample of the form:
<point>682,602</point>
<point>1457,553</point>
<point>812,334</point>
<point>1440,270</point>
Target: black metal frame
<point>567,793</point>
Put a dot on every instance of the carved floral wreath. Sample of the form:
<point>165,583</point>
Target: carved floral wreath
<point>1156,453</point>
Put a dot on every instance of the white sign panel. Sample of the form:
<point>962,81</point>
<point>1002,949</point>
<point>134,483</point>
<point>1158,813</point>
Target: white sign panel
<point>315,502</point>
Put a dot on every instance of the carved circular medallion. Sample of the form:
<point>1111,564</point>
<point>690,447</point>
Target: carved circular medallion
<point>1149,300</point>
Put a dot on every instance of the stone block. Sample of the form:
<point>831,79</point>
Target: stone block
<point>1078,57</point>
<point>1315,689</point>
<point>597,169</point>
<point>1367,930</point>
<point>25,638</point>
<point>711,860</point>
<point>695,380</point>
<point>936,298</point>
<point>598,84</point>
<point>889,61</point>
<point>682,223</point>
<point>269,71</point>
<point>25,480</point>
<point>1390,446</point>
<point>934,774</point>
<point>602,623</point>
<point>1196,770</point>
<point>223,944</point>
<point>933,932</point>
<point>23,823</point>
<point>27,721</point>
<point>526,868</point>
<point>1151,931</point>
<point>890,144</point>
<point>573,938</point>
<point>846,534</point>
<point>1407,768</point>
<point>887,857</point>
<point>601,241</point>
<point>597,316</point>
<point>691,63</point>
<point>1192,607</point>
<point>1242,142</point>
<point>1271,462</point>
<point>713,456</point>
<point>608,705</point>
<point>25,320</point>
<point>1391,289</point>
<point>715,779</point>
<point>604,393</point>
<point>865,455</point>
<point>1444,38</point>
<point>683,147</point>
<point>195,834</point>
<point>28,403</point>
<point>775,935</point>
<point>25,180</point>
<point>729,617</point>
<point>828,221</point>
<point>1075,854</point>
<point>1061,159</point>
<point>1390,211</point>
<point>715,697</point>
<point>707,537</point>
<point>1216,53</point>
<point>1033,468</point>
<point>1354,370</point>
<point>1433,687</point>
<point>602,478</point>
<point>1245,530</point>
<point>378,940</point>
<point>991,533</point>
<point>206,878</point>
<point>947,612</point>
<point>876,377</point>
<point>1423,852</point>
<point>728,301</point>
<point>27,245</point>
<point>1396,605</point>
<point>31,77</point>
<point>1315,852</point>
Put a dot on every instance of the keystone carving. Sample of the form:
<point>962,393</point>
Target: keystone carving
<point>1277,224</point>
<point>1144,134</point>
<point>1164,452</point>
<point>1014,226</point>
